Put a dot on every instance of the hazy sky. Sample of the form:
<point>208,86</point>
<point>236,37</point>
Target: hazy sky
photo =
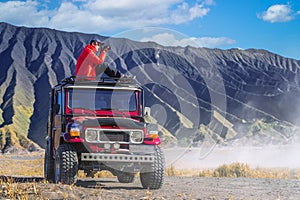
<point>261,24</point>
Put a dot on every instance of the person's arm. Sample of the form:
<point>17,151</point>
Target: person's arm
<point>97,60</point>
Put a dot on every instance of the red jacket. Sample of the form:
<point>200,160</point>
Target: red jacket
<point>88,61</point>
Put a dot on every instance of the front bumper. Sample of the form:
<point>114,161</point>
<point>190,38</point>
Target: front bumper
<point>102,157</point>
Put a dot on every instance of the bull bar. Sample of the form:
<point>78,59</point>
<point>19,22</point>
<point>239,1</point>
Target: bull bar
<point>117,157</point>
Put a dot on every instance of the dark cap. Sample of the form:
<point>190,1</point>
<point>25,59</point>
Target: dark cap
<point>96,41</point>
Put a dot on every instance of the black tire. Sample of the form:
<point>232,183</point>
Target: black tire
<point>49,164</point>
<point>154,178</point>
<point>125,177</point>
<point>66,164</point>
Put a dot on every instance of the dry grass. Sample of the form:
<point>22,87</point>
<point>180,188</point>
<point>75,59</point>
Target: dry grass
<point>22,191</point>
<point>32,166</point>
<point>236,170</point>
<point>35,190</point>
<point>22,165</point>
<point>100,174</point>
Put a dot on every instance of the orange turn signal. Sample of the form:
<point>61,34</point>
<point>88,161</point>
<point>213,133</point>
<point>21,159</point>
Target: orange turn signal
<point>153,134</point>
<point>74,132</point>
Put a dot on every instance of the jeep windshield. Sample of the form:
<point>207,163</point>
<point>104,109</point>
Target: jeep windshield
<point>102,101</point>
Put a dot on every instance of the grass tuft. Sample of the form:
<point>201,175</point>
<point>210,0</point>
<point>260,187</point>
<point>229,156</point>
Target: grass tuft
<point>12,190</point>
<point>236,170</point>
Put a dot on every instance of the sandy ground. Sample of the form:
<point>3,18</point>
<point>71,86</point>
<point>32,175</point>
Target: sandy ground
<point>212,188</point>
<point>174,187</point>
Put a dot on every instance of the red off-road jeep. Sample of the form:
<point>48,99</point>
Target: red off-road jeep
<point>100,125</point>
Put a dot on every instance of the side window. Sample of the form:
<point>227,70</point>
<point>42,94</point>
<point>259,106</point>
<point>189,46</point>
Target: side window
<point>59,100</point>
<point>140,102</point>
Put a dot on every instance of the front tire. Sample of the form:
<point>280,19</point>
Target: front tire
<point>154,178</point>
<point>66,164</point>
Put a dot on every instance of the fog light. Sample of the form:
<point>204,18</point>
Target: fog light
<point>116,146</point>
<point>106,146</point>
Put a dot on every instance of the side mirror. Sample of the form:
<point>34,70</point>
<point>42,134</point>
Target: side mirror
<point>147,111</point>
<point>56,108</point>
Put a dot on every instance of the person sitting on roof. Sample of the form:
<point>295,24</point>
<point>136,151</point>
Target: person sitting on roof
<point>88,62</point>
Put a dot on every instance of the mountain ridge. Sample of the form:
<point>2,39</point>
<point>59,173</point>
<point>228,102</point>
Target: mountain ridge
<point>252,84</point>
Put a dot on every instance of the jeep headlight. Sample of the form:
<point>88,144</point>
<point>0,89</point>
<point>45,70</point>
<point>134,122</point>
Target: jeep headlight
<point>136,136</point>
<point>91,135</point>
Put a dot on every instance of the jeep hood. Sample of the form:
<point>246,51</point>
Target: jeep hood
<point>108,121</point>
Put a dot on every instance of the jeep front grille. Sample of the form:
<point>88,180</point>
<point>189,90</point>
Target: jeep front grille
<point>124,136</point>
<point>116,136</point>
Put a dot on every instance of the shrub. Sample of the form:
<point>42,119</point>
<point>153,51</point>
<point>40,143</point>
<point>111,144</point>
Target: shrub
<point>232,170</point>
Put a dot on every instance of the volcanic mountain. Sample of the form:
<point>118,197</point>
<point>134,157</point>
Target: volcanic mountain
<point>191,91</point>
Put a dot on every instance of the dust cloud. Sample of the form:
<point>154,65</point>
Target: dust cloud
<point>272,156</point>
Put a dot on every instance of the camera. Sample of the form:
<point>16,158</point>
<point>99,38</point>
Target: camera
<point>106,47</point>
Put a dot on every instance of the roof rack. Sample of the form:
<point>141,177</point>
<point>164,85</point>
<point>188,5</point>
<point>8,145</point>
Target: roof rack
<point>70,79</point>
<point>101,80</point>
